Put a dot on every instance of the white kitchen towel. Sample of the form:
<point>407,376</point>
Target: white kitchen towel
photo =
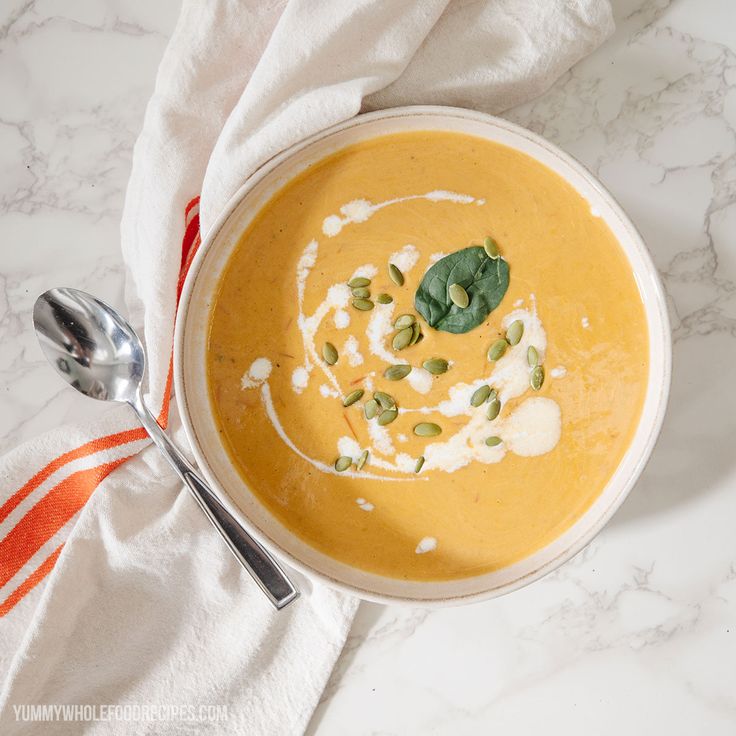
<point>114,589</point>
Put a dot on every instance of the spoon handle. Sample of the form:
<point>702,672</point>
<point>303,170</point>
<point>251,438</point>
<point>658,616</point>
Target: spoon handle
<point>252,556</point>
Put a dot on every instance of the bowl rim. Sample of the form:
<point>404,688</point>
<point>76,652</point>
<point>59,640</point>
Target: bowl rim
<point>579,543</point>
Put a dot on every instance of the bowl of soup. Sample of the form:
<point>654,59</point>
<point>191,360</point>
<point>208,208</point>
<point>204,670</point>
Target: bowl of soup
<point>423,356</point>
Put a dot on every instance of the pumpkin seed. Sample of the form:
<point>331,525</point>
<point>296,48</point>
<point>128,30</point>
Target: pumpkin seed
<point>362,460</point>
<point>480,395</point>
<point>459,296</point>
<point>420,337</point>
<point>497,350</point>
<point>385,401</point>
<point>537,377</point>
<point>370,408</point>
<point>397,372</point>
<point>514,332</point>
<point>402,338</point>
<point>384,298</point>
<point>419,464</point>
<point>364,305</point>
<point>427,429</point>
<point>387,416</point>
<point>359,282</point>
<point>416,334</point>
<point>493,395</point>
<point>362,292</point>
<point>490,247</point>
<point>493,441</point>
<point>352,397</point>
<point>532,357</point>
<point>343,463</point>
<point>436,366</point>
<point>396,276</point>
<point>404,320</point>
<point>329,353</point>
<point>494,407</point>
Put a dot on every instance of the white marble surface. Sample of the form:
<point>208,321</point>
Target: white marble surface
<point>635,635</point>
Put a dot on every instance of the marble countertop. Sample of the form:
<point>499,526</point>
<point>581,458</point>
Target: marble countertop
<point>637,634</point>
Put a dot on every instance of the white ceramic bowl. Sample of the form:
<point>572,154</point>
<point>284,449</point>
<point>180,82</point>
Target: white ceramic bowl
<point>190,365</point>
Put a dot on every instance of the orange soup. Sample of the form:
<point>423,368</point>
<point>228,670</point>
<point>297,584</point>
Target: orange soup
<point>427,356</point>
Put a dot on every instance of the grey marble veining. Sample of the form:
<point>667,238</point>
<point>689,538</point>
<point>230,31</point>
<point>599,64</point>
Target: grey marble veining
<point>637,634</point>
<point>74,81</point>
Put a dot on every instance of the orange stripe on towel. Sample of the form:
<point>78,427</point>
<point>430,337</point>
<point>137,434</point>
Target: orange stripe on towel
<point>88,448</point>
<point>30,582</point>
<point>68,496</point>
<point>163,416</point>
<point>48,516</point>
<point>192,203</point>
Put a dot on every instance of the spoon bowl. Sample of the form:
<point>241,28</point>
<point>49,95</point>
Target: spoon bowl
<point>91,346</point>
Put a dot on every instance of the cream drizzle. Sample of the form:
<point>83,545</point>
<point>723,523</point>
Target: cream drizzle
<point>341,319</point>
<point>349,446</point>
<point>427,544</point>
<point>338,296</point>
<point>532,429</point>
<point>259,371</point>
<point>352,350</point>
<point>273,417</point>
<point>380,326</point>
<point>558,372</point>
<point>406,258</point>
<point>360,210</point>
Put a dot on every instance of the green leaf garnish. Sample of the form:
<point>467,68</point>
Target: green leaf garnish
<point>484,279</point>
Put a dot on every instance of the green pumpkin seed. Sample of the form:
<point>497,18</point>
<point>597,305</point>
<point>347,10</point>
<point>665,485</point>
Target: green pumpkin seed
<point>532,357</point>
<point>493,395</point>
<point>362,292</point>
<point>362,460</point>
<point>402,338</point>
<point>514,332</point>
<point>329,353</point>
<point>494,407</point>
<point>385,401</point>
<point>396,276</point>
<point>427,429</point>
<point>416,334</point>
<point>370,408</point>
<point>404,320</point>
<point>420,337</point>
<point>419,464</point>
<point>359,282</point>
<point>537,377</point>
<point>480,395</point>
<point>493,441</point>
<point>384,298</point>
<point>436,366</point>
<point>397,372</point>
<point>352,397</point>
<point>459,296</point>
<point>387,416</point>
<point>490,247</point>
<point>364,305</point>
<point>496,351</point>
<point>343,463</point>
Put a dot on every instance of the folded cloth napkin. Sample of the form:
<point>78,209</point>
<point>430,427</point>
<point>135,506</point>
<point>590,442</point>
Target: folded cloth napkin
<point>145,607</point>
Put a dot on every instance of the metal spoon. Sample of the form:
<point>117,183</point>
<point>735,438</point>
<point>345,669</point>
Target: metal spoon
<point>97,352</point>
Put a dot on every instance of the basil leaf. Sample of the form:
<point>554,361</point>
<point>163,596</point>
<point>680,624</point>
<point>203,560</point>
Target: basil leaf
<point>485,279</point>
